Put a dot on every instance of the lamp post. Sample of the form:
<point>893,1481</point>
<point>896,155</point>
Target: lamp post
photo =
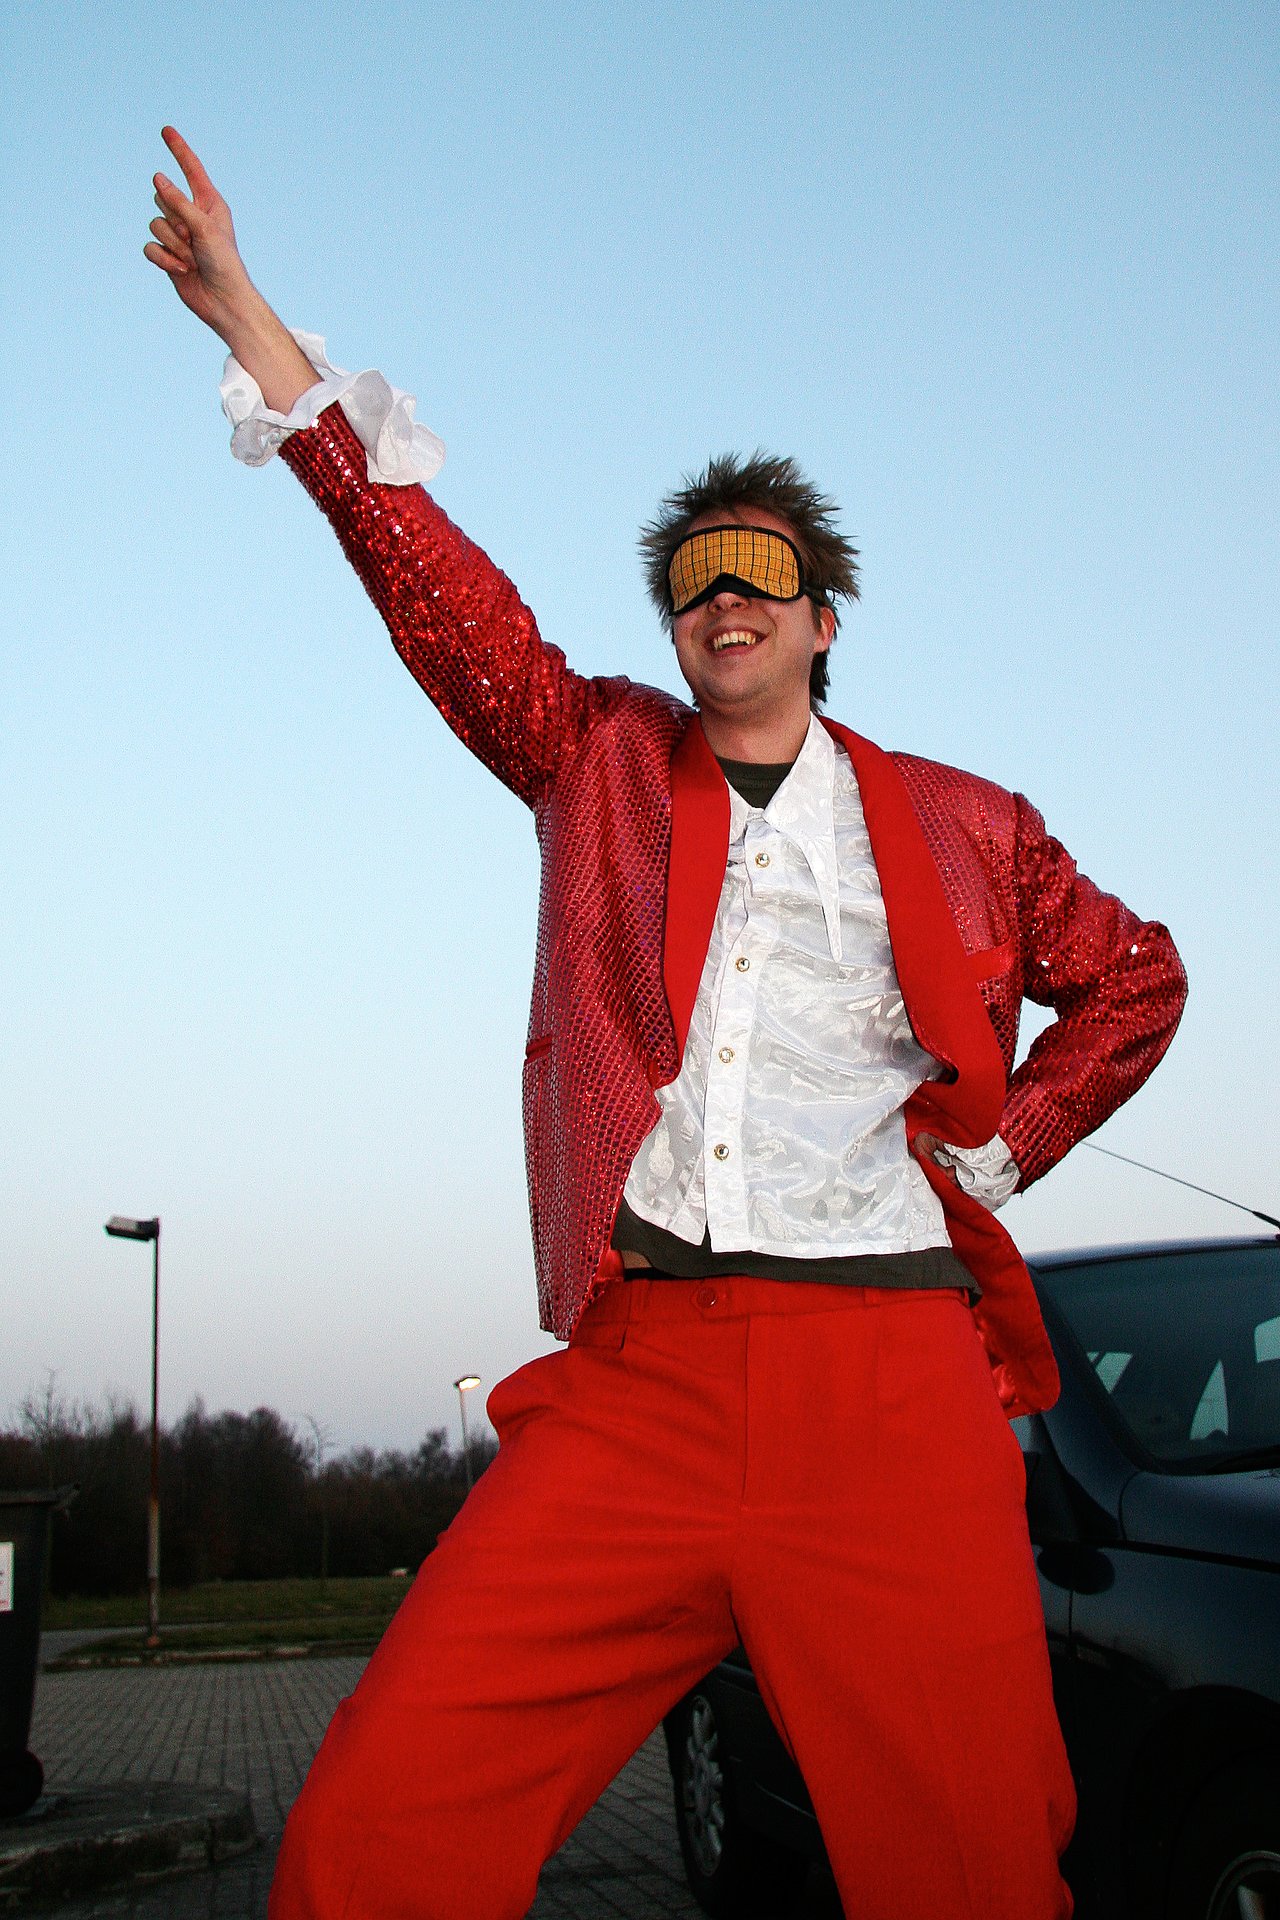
<point>464,1386</point>
<point>122,1229</point>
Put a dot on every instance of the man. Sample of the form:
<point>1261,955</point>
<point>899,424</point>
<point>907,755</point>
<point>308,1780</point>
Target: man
<point>769,1105</point>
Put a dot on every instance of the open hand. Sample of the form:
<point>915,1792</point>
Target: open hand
<point>194,242</point>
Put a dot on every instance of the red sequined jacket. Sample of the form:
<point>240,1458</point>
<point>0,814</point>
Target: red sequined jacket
<point>632,815</point>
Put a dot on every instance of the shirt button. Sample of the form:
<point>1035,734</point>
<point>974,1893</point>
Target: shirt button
<point>721,1151</point>
<point>742,963</point>
<point>726,1054</point>
<point>762,859</point>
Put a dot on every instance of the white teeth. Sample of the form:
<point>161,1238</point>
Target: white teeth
<point>738,638</point>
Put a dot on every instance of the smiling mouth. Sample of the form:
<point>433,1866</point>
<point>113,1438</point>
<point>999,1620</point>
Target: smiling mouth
<point>736,637</point>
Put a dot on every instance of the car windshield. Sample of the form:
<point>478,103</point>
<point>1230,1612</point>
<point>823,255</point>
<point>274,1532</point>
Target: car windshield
<point>1185,1345</point>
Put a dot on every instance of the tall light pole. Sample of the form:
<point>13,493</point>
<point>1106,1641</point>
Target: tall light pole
<point>121,1229</point>
<point>464,1386</point>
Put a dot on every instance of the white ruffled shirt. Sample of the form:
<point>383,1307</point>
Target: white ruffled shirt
<point>783,1132</point>
<point>400,451</point>
<point>794,1144</point>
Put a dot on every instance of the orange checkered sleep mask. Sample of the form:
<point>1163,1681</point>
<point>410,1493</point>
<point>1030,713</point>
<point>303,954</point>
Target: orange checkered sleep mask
<point>751,560</point>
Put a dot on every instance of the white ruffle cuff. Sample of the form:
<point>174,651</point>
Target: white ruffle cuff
<point>399,450</point>
<point>990,1173</point>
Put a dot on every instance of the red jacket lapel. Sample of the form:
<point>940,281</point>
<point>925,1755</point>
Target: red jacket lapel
<point>942,1001</point>
<point>695,870</point>
<point>948,1017</point>
<point>943,1004</point>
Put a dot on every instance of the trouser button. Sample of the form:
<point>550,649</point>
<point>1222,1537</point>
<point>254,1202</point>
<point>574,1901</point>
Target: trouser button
<point>705,1297</point>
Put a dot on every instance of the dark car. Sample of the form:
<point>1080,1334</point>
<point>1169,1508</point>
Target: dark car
<point>1153,1501</point>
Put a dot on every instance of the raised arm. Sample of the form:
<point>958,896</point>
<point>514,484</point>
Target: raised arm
<point>456,620</point>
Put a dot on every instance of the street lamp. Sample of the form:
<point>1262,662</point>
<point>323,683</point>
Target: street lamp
<point>464,1387</point>
<point>121,1229</point>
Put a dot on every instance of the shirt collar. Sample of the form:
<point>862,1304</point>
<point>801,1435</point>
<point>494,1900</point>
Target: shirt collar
<point>803,809</point>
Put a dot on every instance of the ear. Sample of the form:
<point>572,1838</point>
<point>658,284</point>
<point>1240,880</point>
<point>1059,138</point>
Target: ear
<point>826,620</point>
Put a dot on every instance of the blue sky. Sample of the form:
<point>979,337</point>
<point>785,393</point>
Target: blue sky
<point>1003,278</point>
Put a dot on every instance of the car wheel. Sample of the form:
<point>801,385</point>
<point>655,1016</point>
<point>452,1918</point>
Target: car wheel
<point>1227,1866</point>
<point>734,1872</point>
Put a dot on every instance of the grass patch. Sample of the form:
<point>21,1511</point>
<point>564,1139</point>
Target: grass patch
<point>356,1631</point>
<point>308,1605</point>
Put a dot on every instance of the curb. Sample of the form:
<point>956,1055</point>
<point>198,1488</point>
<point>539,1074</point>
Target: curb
<point>74,1843</point>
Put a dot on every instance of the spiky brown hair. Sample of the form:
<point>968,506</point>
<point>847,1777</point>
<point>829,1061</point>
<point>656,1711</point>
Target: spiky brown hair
<point>776,483</point>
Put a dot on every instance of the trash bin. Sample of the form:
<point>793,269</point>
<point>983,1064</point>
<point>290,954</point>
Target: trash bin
<point>24,1533</point>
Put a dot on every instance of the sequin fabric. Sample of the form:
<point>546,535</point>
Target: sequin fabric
<point>1035,926</point>
<point>591,757</point>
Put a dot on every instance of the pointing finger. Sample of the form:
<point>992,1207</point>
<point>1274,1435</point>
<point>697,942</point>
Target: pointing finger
<point>203,191</point>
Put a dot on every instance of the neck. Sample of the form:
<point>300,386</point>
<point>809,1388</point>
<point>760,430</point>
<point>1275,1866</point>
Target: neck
<point>762,742</point>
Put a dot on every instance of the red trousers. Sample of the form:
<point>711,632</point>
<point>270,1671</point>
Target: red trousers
<point>823,1472</point>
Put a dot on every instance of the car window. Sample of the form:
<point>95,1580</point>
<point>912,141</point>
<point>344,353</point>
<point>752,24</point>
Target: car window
<point>1109,1367</point>
<point>1211,1414</point>
<point>1266,1340</point>
<point>1185,1345</point>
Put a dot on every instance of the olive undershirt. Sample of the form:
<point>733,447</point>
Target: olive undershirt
<point>670,1257</point>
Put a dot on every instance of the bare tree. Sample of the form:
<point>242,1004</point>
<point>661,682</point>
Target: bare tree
<point>49,1420</point>
<point>320,1442</point>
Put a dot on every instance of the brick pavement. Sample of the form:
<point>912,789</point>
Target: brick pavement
<point>251,1725</point>
<point>255,1725</point>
